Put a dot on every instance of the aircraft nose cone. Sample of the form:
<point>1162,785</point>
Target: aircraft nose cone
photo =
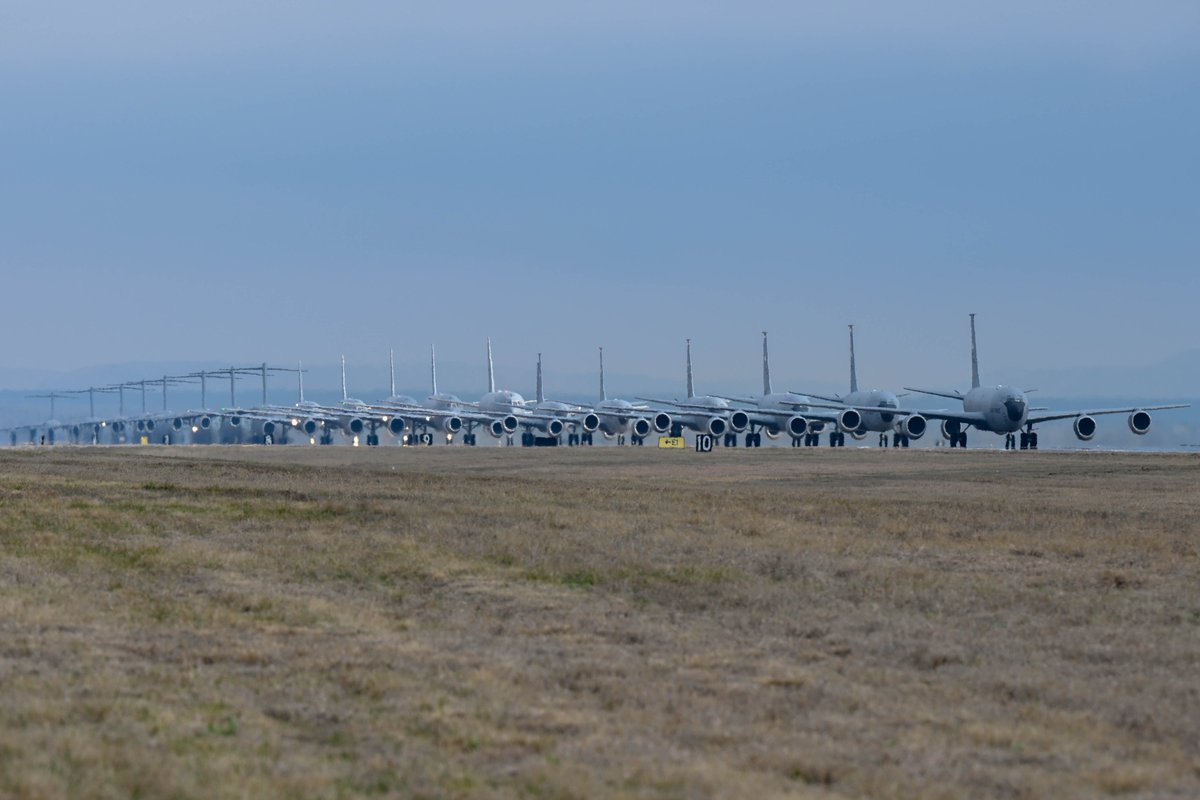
<point>1015,408</point>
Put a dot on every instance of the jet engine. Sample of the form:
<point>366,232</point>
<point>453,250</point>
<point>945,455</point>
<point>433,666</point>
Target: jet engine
<point>950,429</point>
<point>849,420</point>
<point>739,421</point>
<point>662,422</point>
<point>271,428</point>
<point>858,435</point>
<point>353,425</point>
<point>497,428</point>
<point>715,425</point>
<point>396,425</point>
<point>815,427</point>
<point>203,422</point>
<point>179,423</point>
<point>1085,428</point>
<point>510,424</point>
<point>797,427</point>
<point>641,427</point>
<point>554,427</point>
<point>448,424</point>
<point>309,426</point>
<point>590,423</point>
<point>235,422</point>
<point>1139,422</point>
<point>913,426</point>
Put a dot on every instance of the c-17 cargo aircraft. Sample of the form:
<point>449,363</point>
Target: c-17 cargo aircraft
<point>1005,410</point>
<point>875,407</point>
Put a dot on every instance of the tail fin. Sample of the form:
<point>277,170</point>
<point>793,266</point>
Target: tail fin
<point>433,369</point>
<point>344,395</point>
<point>603,396</point>
<point>491,372</point>
<point>974,357</point>
<point>766,368</point>
<point>853,371</point>
<point>691,392</point>
<point>300,379</point>
<point>541,397</point>
<point>392,370</point>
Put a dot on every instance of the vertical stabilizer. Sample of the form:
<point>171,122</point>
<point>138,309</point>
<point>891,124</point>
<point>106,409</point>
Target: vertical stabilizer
<point>603,396</point>
<point>345,397</point>
<point>392,371</point>
<point>491,372</point>
<point>690,389</point>
<point>853,369</point>
<point>766,368</point>
<point>433,369</point>
<point>541,397</point>
<point>974,357</point>
<point>300,379</point>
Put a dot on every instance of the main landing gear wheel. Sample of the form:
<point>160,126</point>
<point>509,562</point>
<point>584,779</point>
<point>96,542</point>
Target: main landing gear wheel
<point>959,440</point>
<point>899,440</point>
<point>837,439</point>
<point>731,440</point>
<point>753,440</point>
<point>468,440</point>
<point>1029,441</point>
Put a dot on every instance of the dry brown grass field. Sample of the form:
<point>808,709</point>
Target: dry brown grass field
<point>443,622</point>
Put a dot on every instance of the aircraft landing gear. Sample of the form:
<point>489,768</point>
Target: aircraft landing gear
<point>883,440</point>
<point>837,439</point>
<point>372,440</point>
<point>899,440</point>
<point>676,430</point>
<point>959,439</point>
<point>731,440</point>
<point>1029,441</point>
<point>620,438</point>
<point>468,440</point>
<point>753,440</point>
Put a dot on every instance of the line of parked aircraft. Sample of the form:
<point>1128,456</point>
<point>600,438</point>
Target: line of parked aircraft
<point>803,417</point>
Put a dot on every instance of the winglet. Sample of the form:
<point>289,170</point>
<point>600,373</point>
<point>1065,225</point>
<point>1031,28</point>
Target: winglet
<point>603,396</point>
<point>766,368</point>
<point>974,357</point>
<point>690,391</point>
<point>541,397</point>
<point>853,372</point>
<point>491,372</point>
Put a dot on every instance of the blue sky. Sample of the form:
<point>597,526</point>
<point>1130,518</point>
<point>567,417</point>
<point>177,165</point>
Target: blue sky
<point>239,182</point>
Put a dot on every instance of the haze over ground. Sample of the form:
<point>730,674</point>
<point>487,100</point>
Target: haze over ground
<point>231,183</point>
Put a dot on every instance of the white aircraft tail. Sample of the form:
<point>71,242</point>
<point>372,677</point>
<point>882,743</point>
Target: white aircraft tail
<point>392,371</point>
<point>300,379</point>
<point>974,357</point>
<point>345,397</point>
<point>853,370</point>
<point>491,371</point>
<point>766,368</point>
<point>603,396</point>
<point>691,392</point>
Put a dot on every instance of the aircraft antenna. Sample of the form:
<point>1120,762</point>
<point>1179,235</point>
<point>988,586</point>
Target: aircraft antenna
<point>766,368</point>
<point>853,371</point>
<point>392,369</point>
<point>603,396</point>
<point>433,368</point>
<point>541,397</point>
<point>345,397</point>
<point>491,372</point>
<point>690,391</point>
<point>974,357</point>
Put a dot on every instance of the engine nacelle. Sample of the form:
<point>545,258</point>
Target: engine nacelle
<point>271,428</point>
<point>554,427</point>
<point>951,428</point>
<point>149,425</point>
<point>497,429</point>
<point>1139,422</point>
<point>309,426</point>
<point>913,426</point>
<point>739,421</point>
<point>510,424</point>
<point>396,426</point>
<point>816,427</point>
<point>590,423</point>
<point>662,422</point>
<point>179,423</point>
<point>1085,428</point>
<point>772,433</point>
<point>353,426</point>
<point>858,435</point>
<point>118,426</point>
<point>716,426</point>
<point>797,427</point>
<point>203,422</point>
<point>449,424</point>
<point>640,427</point>
<point>235,422</point>
<point>849,421</point>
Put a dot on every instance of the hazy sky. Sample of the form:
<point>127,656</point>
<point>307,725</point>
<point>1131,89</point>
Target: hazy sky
<point>284,180</point>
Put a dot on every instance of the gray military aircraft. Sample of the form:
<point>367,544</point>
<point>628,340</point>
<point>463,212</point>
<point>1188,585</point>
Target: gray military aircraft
<point>704,414</point>
<point>616,417</point>
<point>776,413</point>
<point>867,403</point>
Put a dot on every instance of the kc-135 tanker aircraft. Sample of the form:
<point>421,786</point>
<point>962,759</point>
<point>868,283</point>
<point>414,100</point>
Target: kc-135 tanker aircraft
<point>400,419</point>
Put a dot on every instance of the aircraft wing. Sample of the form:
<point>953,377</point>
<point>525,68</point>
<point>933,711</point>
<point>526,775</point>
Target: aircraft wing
<point>747,400</point>
<point>682,404</point>
<point>1097,412</point>
<point>809,412</point>
<point>965,417</point>
<point>951,395</point>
